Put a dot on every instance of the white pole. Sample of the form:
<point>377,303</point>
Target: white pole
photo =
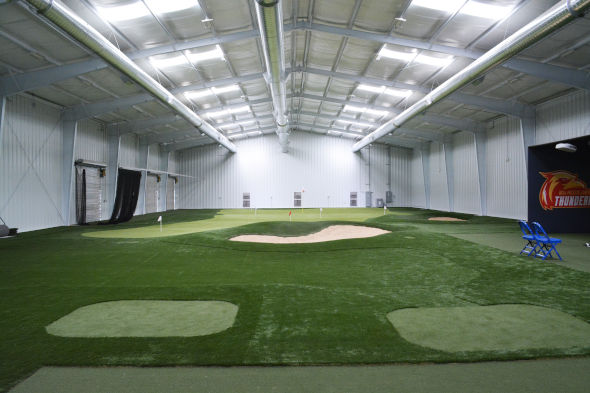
<point>320,212</point>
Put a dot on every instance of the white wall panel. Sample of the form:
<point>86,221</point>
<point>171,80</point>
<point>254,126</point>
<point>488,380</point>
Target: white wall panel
<point>323,166</point>
<point>506,170</point>
<point>91,142</point>
<point>439,192</point>
<point>129,151</point>
<point>400,176</point>
<point>418,198</point>
<point>466,183</point>
<point>563,118</point>
<point>154,157</point>
<point>172,162</point>
<point>31,165</point>
<point>379,172</point>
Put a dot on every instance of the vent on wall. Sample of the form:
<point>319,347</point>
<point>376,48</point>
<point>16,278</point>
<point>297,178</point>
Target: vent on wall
<point>297,199</point>
<point>353,196</point>
<point>246,199</point>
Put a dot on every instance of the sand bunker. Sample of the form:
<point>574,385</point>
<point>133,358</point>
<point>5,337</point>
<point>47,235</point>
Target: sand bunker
<point>334,232</point>
<point>146,318</point>
<point>444,219</point>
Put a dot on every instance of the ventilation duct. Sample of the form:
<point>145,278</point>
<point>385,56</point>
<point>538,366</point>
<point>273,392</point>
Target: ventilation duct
<point>82,32</point>
<point>270,23</point>
<point>539,28</point>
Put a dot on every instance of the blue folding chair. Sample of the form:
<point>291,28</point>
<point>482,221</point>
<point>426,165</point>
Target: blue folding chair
<point>527,234</point>
<point>545,244</point>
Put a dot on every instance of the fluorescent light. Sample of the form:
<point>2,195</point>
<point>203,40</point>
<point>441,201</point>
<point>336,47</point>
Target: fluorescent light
<point>123,12</point>
<point>488,11</point>
<point>350,108</point>
<point>398,93</point>
<point>208,92</point>
<point>336,133</point>
<point>169,62</point>
<point>412,56</point>
<point>372,89</point>
<point>225,89</point>
<point>449,6</point>
<point>168,6</point>
<point>355,123</point>
<point>229,111</point>
<point>383,89</point>
<point>216,53</point>
<point>238,124</point>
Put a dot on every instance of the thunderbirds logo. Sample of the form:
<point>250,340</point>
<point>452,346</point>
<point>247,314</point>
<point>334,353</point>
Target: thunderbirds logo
<point>563,189</point>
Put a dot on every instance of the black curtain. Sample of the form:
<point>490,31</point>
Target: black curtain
<point>80,196</point>
<point>127,194</point>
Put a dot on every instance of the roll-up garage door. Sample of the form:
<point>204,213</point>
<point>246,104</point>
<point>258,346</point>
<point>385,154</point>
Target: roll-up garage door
<point>89,192</point>
<point>151,193</point>
<point>170,193</point>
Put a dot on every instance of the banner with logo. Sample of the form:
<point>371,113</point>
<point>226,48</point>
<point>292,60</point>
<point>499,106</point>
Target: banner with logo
<point>559,193</point>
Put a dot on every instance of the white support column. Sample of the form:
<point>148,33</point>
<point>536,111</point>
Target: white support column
<point>448,148</point>
<point>480,148</point>
<point>70,128</point>
<point>528,130</point>
<point>113,168</point>
<point>2,115</point>
<point>425,154</point>
<point>143,163</point>
<point>164,179</point>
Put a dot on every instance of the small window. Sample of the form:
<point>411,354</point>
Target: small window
<point>297,199</point>
<point>353,199</point>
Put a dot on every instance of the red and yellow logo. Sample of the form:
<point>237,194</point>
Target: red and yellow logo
<point>563,189</point>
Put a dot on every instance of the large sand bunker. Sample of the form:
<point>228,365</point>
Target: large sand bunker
<point>444,219</point>
<point>334,232</point>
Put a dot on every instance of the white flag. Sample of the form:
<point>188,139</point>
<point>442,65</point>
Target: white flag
<point>160,219</point>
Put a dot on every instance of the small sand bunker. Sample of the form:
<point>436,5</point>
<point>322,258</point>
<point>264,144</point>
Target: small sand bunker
<point>444,219</point>
<point>334,232</point>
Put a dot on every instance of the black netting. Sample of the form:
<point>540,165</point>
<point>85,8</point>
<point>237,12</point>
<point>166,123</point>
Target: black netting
<point>80,196</point>
<point>127,194</point>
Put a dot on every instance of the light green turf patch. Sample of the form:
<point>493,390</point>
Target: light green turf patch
<point>237,217</point>
<point>506,327</point>
<point>146,318</point>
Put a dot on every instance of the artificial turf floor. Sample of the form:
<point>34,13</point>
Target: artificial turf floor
<point>323,303</point>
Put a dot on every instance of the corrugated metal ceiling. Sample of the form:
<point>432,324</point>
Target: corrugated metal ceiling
<point>331,48</point>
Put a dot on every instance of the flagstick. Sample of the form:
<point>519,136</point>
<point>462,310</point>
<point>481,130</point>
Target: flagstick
<point>160,226</point>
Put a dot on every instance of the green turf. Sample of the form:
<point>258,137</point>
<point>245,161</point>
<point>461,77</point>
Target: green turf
<point>146,318</point>
<point>505,327</point>
<point>298,303</point>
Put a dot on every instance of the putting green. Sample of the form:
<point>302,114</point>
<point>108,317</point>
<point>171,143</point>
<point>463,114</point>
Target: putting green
<point>238,217</point>
<point>506,327</point>
<point>146,318</point>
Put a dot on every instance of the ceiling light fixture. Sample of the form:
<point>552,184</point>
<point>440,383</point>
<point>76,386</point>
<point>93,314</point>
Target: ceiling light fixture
<point>229,111</point>
<point>487,11</point>
<point>355,123</point>
<point>418,58</point>
<point>351,108</point>
<point>208,92</point>
<point>448,6</point>
<point>168,6</point>
<point>123,12</point>
<point>194,58</point>
<point>212,54</point>
<point>385,90</point>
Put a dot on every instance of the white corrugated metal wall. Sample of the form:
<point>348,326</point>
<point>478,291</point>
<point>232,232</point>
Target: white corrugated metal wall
<point>563,118</point>
<point>418,197</point>
<point>400,176</point>
<point>439,192</point>
<point>506,170</point>
<point>129,151</point>
<point>466,183</point>
<point>323,166</point>
<point>91,142</point>
<point>31,165</point>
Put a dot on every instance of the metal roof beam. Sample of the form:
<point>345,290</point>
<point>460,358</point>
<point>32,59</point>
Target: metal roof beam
<point>201,141</point>
<point>89,110</point>
<point>571,77</point>
<point>511,108</point>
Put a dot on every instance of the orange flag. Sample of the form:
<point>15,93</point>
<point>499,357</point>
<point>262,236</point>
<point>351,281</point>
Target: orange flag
<point>289,212</point>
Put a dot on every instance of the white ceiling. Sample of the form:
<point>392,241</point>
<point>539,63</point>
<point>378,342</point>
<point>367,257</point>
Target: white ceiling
<point>331,47</point>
